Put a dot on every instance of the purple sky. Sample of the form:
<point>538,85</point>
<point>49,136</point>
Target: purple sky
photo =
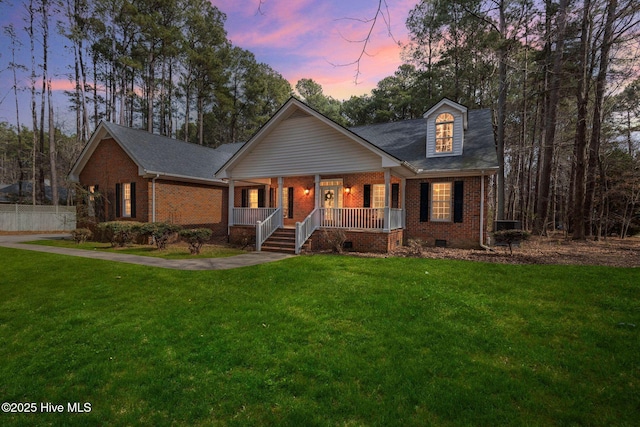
<point>298,38</point>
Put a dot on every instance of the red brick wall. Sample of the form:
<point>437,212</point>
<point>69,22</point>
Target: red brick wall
<point>109,165</point>
<point>464,234</point>
<point>361,240</point>
<point>191,205</point>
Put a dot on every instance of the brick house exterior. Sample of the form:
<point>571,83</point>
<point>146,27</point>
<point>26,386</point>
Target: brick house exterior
<point>303,181</point>
<point>380,185</point>
<point>160,189</point>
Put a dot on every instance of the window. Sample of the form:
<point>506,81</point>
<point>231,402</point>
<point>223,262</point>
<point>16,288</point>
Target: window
<point>444,133</point>
<point>441,201</point>
<point>91,201</point>
<point>378,196</point>
<point>126,199</point>
<point>253,198</point>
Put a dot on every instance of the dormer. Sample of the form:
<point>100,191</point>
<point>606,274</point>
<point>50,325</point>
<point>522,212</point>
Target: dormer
<point>446,124</point>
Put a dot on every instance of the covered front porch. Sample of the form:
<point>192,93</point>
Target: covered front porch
<point>367,207</point>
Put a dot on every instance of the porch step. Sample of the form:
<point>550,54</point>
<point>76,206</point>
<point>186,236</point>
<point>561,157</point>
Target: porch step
<point>282,240</point>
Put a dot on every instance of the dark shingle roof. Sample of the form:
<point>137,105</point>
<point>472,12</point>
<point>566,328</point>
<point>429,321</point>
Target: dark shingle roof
<point>160,154</point>
<point>406,140</point>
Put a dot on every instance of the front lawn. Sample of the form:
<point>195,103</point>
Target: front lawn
<point>178,250</point>
<point>320,340</point>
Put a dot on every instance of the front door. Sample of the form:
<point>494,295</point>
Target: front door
<point>331,202</point>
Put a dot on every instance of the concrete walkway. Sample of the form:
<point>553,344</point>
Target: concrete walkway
<point>244,260</point>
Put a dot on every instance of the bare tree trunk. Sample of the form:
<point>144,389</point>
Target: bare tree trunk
<point>580,140</point>
<point>542,208</point>
<point>594,142</point>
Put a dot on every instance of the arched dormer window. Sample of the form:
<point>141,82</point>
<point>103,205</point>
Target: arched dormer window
<point>444,133</point>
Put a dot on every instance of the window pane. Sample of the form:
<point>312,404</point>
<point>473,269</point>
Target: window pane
<point>444,133</point>
<point>377,200</point>
<point>253,198</point>
<point>126,199</point>
<point>285,202</point>
<point>441,202</point>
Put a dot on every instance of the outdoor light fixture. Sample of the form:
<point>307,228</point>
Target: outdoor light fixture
<point>306,191</point>
<point>347,190</point>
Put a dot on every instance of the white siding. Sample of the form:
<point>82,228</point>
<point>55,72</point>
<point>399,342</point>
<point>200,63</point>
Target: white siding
<point>458,132</point>
<point>305,146</point>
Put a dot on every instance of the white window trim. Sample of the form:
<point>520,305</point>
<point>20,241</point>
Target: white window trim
<point>433,192</point>
<point>126,200</point>
<point>451,123</point>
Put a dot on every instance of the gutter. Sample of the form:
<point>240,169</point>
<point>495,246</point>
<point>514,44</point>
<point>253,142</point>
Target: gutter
<point>482,245</point>
<point>153,197</point>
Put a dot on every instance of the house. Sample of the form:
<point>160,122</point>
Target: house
<point>302,174</point>
<point>131,174</point>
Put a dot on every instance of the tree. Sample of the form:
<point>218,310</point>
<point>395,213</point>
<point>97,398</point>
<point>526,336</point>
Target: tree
<point>312,94</point>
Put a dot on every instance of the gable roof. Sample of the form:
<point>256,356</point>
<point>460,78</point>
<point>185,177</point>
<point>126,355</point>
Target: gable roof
<point>159,155</point>
<point>406,140</point>
<point>451,104</point>
<point>304,146</point>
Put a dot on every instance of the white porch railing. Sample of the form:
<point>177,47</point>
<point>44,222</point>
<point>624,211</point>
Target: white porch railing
<point>395,219</point>
<point>249,216</point>
<point>354,218</point>
<point>360,218</point>
<point>265,228</point>
<point>305,229</point>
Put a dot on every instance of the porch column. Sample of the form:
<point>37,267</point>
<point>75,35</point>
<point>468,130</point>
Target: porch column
<point>231,203</point>
<point>316,193</point>
<point>387,200</point>
<point>403,204</point>
<point>280,195</point>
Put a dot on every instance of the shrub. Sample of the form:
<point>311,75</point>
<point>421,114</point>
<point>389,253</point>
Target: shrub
<point>196,237</point>
<point>335,238</point>
<point>161,232</point>
<point>119,233</point>
<point>414,247</point>
<point>510,237</point>
<point>81,235</point>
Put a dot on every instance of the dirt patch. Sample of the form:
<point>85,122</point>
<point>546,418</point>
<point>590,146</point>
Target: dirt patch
<point>612,252</point>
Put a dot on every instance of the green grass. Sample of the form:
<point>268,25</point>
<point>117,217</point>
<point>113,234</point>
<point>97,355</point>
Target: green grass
<point>320,340</point>
<point>173,251</point>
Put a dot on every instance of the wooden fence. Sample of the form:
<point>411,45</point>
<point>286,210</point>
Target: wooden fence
<point>37,218</point>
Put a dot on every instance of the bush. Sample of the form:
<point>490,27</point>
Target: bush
<point>196,237</point>
<point>161,232</point>
<point>510,237</point>
<point>335,238</point>
<point>415,247</point>
<point>81,235</point>
<point>119,233</point>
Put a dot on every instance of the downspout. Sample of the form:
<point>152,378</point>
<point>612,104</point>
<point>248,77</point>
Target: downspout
<point>153,197</point>
<point>482,245</point>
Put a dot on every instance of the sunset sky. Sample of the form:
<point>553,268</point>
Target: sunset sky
<point>298,38</point>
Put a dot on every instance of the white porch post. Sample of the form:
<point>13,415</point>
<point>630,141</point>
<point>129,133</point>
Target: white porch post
<point>403,205</point>
<point>280,195</point>
<point>316,192</point>
<point>387,199</point>
<point>231,202</point>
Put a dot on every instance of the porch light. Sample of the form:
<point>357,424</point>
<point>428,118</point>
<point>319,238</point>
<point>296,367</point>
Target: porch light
<point>306,191</point>
<point>347,190</point>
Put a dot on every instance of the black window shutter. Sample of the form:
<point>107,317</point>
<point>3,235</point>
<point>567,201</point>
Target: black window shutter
<point>458,200</point>
<point>133,200</point>
<point>118,199</point>
<point>272,199</point>
<point>395,196</point>
<point>261,194</point>
<point>245,198</point>
<point>367,195</point>
<point>424,201</point>
<point>290,201</point>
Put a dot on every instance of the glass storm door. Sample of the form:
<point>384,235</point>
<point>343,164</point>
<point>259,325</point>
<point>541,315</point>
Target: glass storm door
<point>331,202</point>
